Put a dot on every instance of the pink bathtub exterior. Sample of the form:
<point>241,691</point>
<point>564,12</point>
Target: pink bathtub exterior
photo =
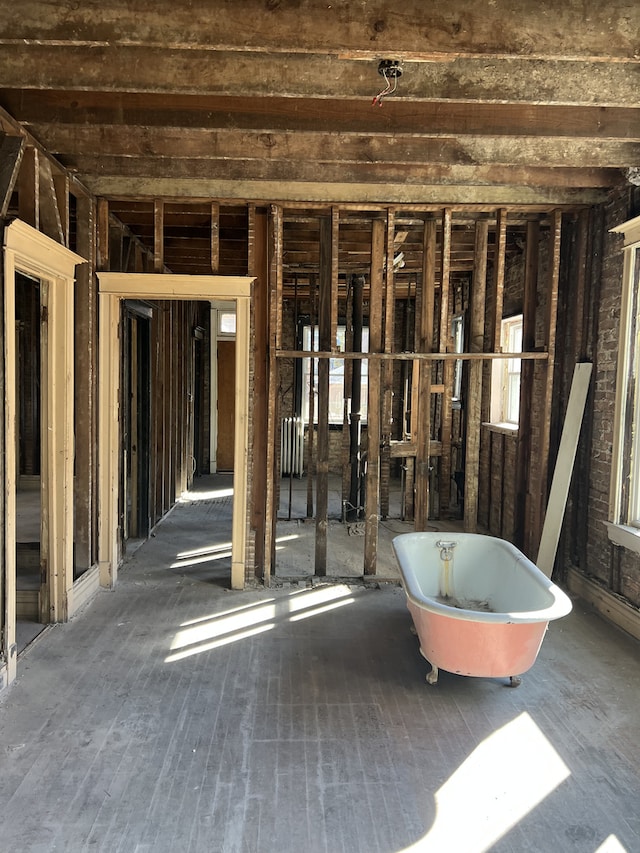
<point>477,648</point>
<point>503,642</point>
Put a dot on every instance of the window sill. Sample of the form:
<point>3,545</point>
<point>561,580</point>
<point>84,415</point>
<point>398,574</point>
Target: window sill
<point>624,535</point>
<point>504,429</point>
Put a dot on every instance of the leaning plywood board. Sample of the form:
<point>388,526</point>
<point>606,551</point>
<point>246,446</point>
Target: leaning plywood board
<point>563,469</point>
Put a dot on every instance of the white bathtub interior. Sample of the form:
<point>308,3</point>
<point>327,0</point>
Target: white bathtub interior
<point>482,568</point>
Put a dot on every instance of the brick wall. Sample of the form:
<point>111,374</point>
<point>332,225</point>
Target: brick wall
<point>615,567</point>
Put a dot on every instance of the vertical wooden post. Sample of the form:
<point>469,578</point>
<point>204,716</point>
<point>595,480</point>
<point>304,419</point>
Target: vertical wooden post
<point>347,397</point>
<point>258,266</point>
<point>489,442</point>
<point>313,302</point>
<point>498,280</point>
<point>373,408</point>
<point>327,316</point>
<point>355,438</point>
<point>215,237</point>
<point>273,404</point>
<point>579,511</point>
<point>157,332</point>
<point>85,481</point>
<point>474,390</point>
<point>526,383</point>
<point>103,235</point>
<point>445,340</point>
<point>551,313</point>
<point>158,235</point>
<point>421,402</point>
<point>387,369</point>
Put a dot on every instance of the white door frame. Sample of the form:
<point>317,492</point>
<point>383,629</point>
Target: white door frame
<point>113,287</point>
<point>33,253</point>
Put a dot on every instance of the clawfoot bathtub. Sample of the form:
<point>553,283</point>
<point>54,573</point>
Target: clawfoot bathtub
<point>479,606</point>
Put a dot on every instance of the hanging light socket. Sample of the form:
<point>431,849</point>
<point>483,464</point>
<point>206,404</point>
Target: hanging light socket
<point>390,69</point>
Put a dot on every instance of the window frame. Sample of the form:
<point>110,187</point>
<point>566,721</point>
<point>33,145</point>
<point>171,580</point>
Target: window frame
<point>624,490</point>
<point>504,370</point>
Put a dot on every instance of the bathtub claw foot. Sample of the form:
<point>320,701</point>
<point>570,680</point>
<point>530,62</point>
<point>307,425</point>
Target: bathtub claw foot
<point>432,677</point>
<point>515,681</point>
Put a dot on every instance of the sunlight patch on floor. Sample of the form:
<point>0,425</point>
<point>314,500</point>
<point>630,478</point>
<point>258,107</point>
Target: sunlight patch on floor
<point>611,845</point>
<point>196,496</point>
<point>219,551</point>
<point>319,601</point>
<point>504,778</point>
<point>219,629</point>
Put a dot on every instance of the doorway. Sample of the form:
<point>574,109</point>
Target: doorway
<point>39,275</point>
<point>137,417</point>
<point>113,288</point>
<point>31,517</point>
<point>226,384</point>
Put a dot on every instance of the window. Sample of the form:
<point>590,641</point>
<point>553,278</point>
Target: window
<point>336,377</point>
<point>505,383</point>
<point>624,499</point>
<point>457,332</point>
<point>226,322</point>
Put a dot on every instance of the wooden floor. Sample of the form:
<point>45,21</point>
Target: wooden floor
<point>175,715</point>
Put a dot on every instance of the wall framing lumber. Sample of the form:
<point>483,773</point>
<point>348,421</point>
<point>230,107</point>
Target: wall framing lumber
<point>551,316</point>
<point>444,343</point>
<point>158,235</point>
<point>475,384</point>
<point>275,248</point>
<point>387,366</point>
<point>523,474</point>
<point>11,152</point>
<point>421,428</point>
<point>258,267</point>
<point>374,401</point>
<point>327,313</point>
<point>85,480</point>
<point>215,236</point>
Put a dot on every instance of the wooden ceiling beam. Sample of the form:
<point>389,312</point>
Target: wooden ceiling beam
<point>127,68</point>
<point>361,195</point>
<point>103,141</point>
<point>428,118</point>
<point>97,169</point>
<point>412,29</point>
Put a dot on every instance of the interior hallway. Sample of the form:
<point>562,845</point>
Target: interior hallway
<point>175,715</point>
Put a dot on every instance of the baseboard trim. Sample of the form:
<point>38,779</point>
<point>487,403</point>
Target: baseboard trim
<point>607,604</point>
<point>83,590</point>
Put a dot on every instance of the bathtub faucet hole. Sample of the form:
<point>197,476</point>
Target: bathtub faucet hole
<point>446,549</point>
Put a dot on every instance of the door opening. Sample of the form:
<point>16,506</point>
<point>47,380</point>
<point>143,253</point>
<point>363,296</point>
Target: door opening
<point>114,288</point>
<point>31,547</point>
<point>136,424</point>
<point>226,384</point>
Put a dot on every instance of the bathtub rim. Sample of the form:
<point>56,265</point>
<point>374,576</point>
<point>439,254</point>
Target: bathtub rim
<point>561,603</point>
